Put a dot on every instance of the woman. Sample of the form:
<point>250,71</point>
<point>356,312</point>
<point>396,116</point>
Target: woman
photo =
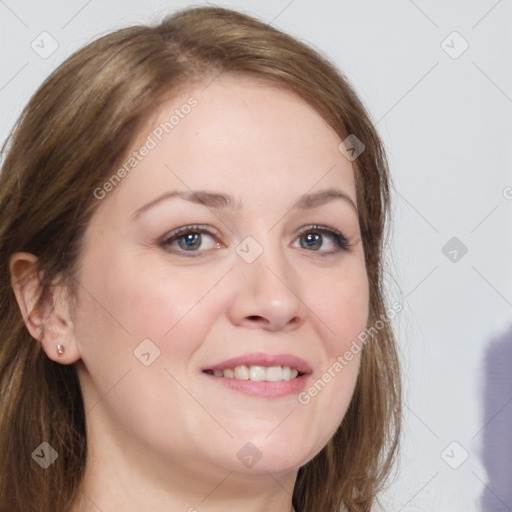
<point>192,312</point>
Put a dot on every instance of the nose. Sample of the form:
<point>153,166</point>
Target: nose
<point>267,293</point>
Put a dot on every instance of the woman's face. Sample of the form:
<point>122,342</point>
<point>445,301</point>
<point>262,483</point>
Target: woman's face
<point>248,286</point>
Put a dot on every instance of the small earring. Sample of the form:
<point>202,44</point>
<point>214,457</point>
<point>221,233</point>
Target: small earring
<point>60,349</point>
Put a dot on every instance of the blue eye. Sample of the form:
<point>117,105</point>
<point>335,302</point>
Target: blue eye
<point>314,237</point>
<point>190,240</point>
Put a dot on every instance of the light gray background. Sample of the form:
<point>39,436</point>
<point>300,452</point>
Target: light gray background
<point>447,125</point>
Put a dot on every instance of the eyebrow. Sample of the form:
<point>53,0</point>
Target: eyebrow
<point>216,200</point>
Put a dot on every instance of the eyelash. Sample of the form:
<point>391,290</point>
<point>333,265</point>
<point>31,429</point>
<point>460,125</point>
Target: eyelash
<point>339,239</point>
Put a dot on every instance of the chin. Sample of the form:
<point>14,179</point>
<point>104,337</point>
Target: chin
<point>275,465</point>
<point>283,454</point>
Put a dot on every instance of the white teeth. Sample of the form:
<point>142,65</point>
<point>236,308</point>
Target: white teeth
<point>242,372</point>
<point>275,373</point>
<point>258,373</point>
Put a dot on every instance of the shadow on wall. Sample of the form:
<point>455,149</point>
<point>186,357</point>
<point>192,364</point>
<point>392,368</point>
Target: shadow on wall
<point>497,435</point>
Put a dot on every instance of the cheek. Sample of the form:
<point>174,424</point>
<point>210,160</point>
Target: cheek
<point>175,309</point>
<point>343,306</point>
<point>120,310</point>
<point>343,309</point>
<point>143,301</point>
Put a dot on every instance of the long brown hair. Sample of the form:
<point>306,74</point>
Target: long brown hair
<point>66,143</point>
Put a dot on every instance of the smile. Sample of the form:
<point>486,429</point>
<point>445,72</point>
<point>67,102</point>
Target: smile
<point>261,374</point>
<point>257,373</point>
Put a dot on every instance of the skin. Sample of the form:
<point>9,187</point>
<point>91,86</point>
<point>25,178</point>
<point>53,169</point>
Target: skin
<point>166,436</point>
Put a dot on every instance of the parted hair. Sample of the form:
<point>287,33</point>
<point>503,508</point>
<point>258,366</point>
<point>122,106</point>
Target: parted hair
<point>68,140</point>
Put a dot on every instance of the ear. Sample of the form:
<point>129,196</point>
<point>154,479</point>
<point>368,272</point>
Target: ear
<point>47,316</point>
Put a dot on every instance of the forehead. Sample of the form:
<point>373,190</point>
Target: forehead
<point>239,135</point>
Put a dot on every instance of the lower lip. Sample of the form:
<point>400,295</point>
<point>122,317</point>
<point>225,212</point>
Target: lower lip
<point>264,388</point>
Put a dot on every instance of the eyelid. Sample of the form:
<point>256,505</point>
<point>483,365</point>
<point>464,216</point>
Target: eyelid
<point>341,240</point>
<point>199,228</point>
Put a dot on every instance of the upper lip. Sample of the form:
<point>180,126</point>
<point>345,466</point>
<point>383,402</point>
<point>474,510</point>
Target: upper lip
<point>262,359</point>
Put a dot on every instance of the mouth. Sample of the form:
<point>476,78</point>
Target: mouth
<point>260,374</point>
<point>257,373</point>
